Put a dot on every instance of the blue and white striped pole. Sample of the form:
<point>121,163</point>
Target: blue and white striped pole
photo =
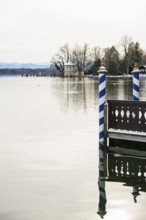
<point>135,73</point>
<point>102,99</point>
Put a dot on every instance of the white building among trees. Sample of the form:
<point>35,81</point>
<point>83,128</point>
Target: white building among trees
<point>71,70</point>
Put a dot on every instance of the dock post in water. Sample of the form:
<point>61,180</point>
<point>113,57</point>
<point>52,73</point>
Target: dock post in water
<point>102,99</point>
<point>135,73</point>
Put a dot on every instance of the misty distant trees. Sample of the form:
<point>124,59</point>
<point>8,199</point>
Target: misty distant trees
<point>117,59</point>
<point>28,72</point>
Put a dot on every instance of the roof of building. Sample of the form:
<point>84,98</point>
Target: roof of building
<point>69,64</point>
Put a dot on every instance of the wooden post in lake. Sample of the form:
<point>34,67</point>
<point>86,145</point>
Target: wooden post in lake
<point>135,73</point>
<point>102,99</point>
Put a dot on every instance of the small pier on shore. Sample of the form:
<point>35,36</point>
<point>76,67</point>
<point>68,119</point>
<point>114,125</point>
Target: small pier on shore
<point>121,120</point>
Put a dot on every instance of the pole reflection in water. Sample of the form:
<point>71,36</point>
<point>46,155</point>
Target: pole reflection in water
<point>135,193</point>
<point>101,181</point>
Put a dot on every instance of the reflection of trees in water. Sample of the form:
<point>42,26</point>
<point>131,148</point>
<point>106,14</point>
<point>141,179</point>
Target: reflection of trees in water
<point>119,88</point>
<point>76,93</point>
<point>142,89</point>
<point>82,93</point>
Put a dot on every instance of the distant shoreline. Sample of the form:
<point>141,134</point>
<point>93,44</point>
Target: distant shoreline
<point>46,72</point>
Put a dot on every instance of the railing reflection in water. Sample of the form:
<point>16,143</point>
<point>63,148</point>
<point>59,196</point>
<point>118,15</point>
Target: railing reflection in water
<point>127,169</point>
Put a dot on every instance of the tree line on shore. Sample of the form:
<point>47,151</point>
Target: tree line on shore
<point>117,59</point>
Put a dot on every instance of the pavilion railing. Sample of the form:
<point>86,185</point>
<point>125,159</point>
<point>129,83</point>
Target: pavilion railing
<point>127,115</point>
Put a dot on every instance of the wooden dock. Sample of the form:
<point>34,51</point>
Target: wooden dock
<point>125,121</point>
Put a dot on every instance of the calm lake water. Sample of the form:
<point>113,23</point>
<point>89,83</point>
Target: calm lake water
<point>49,151</point>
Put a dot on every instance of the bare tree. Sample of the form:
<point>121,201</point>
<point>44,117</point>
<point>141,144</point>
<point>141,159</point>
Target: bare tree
<point>94,60</point>
<point>60,58</point>
<point>96,53</point>
<point>64,51</point>
<point>85,55</point>
<point>125,42</point>
<point>80,57</point>
<point>112,60</point>
<point>144,57</point>
<point>132,53</point>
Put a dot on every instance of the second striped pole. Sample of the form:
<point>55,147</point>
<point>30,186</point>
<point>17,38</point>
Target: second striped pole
<point>135,73</point>
<point>102,99</point>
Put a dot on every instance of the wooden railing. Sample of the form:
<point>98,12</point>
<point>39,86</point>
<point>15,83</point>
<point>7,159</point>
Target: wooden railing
<point>127,115</point>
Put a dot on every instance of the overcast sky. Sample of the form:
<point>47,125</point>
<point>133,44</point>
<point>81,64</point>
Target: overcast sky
<point>33,30</point>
